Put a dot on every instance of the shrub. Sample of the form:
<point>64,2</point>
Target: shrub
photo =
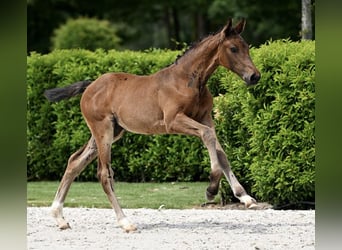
<point>85,33</point>
<point>270,128</point>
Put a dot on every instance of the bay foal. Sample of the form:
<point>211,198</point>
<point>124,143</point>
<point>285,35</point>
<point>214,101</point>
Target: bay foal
<point>174,100</point>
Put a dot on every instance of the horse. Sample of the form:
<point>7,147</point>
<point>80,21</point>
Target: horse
<point>174,100</point>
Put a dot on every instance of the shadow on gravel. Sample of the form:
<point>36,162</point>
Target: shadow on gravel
<point>248,227</point>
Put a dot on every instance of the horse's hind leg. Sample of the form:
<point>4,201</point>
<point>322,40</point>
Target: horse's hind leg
<point>105,132</point>
<point>76,164</point>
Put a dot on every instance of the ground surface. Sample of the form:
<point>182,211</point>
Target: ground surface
<point>173,229</point>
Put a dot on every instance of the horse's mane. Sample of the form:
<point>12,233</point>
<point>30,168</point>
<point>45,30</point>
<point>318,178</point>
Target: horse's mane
<point>194,45</point>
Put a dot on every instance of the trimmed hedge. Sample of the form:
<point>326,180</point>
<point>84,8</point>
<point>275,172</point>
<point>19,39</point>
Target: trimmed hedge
<point>267,130</point>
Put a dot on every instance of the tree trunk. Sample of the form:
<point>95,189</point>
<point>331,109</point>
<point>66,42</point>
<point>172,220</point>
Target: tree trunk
<point>176,26</point>
<point>200,25</point>
<point>167,20</point>
<point>306,20</point>
<point>171,20</point>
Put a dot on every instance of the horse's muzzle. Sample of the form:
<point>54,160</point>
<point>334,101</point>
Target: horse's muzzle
<point>253,79</point>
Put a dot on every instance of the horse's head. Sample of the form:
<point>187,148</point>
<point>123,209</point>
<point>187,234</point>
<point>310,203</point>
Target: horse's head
<point>233,53</point>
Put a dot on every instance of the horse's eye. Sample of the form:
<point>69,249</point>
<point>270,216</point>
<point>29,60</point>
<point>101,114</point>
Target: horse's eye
<point>233,49</point>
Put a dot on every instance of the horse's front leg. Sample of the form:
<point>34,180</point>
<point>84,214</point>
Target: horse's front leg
<point>237,188</point>
<point>215,177</point>
<point>218,160</point>
<point>220,165</point>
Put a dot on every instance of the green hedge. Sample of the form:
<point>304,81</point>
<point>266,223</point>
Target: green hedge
<point>267,131</point>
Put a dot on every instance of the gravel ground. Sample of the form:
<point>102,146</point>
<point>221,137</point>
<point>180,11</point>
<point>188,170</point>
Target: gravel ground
<point>173,229</point>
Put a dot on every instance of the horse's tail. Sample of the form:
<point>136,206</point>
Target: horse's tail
<point>57,94</point>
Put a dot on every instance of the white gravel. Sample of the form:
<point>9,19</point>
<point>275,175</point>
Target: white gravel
<point>173,229</point>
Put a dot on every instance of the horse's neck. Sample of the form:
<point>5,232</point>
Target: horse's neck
<point>200,62</point>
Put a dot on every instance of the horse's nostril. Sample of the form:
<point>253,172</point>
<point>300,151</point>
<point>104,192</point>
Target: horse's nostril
<point>254,78</point>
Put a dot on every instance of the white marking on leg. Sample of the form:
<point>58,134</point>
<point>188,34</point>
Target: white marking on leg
<point>57,213</point>
<point>56,209</point>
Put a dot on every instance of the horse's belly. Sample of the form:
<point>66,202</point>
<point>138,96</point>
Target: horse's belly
<point>142,120</point>
<point>137,127</point>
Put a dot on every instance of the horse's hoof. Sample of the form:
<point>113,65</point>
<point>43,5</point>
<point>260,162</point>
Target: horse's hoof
<point>130,228</point>
<point>64,226</point>
<point>209,196</point>
<point>249,202</point>
<point>253,206</point>
<point>127,226</point>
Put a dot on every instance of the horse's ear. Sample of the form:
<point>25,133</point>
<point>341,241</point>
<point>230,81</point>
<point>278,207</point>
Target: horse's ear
<point>226,31</point>
<point>240,26</point>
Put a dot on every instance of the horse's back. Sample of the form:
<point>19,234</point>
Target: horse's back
<point>132,99</point>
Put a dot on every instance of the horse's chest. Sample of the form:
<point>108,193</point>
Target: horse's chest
<point>194,107</point>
